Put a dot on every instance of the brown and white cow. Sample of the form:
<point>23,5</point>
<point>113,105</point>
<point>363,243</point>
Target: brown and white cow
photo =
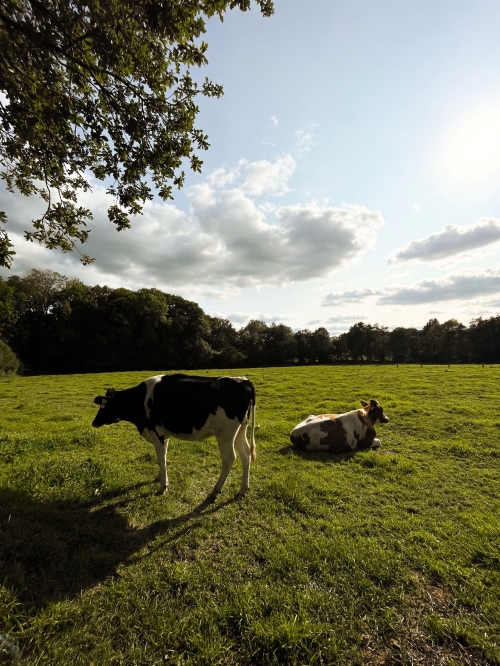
<point>338,433</point>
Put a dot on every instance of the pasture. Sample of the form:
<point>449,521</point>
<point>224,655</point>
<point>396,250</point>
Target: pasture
<point>380,557</point>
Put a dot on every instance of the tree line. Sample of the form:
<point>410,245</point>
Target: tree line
<point>59,325</point>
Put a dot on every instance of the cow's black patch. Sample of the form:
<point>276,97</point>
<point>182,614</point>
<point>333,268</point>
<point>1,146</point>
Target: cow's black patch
<point>336,436</point>
<point>367,441</point>
<point>300,441</point>
<point>183,403</point>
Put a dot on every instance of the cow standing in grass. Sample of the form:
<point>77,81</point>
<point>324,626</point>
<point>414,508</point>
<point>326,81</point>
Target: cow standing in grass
<point>338,433</point>
<point>189,408</point>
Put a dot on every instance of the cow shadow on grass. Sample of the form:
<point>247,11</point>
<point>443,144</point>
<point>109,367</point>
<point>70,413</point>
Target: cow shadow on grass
<point>52,550</point>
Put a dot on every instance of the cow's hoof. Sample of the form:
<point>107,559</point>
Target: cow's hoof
<point>162,491</point>
<point>211,498</point>
<point>240,496</point>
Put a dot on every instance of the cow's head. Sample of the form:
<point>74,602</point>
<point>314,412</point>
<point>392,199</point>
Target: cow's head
<point>375,413</point>
<point>109,406</point>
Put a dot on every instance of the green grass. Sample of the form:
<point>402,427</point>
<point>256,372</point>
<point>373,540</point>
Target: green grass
<point>383,557</point>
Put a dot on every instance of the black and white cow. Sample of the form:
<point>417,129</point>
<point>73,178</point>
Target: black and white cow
<point>190,408</point>
<point>339,433</point>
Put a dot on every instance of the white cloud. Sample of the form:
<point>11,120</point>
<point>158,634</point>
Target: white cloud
<point>242,318</point>
<point>222,177</point>
<point>271,318</point>
<point>269,177</point>
<point>353,296</point>
<point>461,287</point>
<point>338,323</point>
<point>465,286</point>
<point>267,207</point>
<point>309,241</point>
<point>416,206</point>
<point>223,244</point>
<point>342,319</point>
<point>260,177</point>
<point>337,320</point>
<point>495,303</point>
<point>274,120</point>
<point>305,140</point>
<point>239,317</point>
<point>199,291</point>
<point>451,241</point>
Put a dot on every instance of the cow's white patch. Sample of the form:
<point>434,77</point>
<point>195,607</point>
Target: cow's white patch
<point>153,436</point>
<point>354,428</point>
<point>317,440</point>
<point>150,385</point>
<point>309,419</point>
<point>310,427</point>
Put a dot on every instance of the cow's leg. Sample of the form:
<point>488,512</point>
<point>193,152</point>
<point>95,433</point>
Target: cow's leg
<point>376,444</point>
<point>243,448</point>
<point>227,454</point>
<point>161,446</point>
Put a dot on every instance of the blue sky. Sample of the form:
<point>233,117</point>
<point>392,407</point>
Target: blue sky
<point>353,174</point>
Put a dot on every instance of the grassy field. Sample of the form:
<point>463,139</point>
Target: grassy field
<point>380,557</point>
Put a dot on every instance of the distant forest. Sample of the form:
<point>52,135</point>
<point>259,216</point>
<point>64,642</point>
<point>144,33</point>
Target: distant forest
<point>58,325</point>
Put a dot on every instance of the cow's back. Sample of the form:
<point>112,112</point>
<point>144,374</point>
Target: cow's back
<point>183,403</point>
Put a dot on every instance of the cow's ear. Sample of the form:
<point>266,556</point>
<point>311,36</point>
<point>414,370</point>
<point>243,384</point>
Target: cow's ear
<point>363,403</point>
<point>373,403</point>
<point>100,400</point>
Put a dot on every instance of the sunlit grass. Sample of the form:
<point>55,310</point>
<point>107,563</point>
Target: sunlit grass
<point>386,557</point>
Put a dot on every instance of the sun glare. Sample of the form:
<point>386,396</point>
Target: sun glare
<point>471,151</point>
<point>482,144</point>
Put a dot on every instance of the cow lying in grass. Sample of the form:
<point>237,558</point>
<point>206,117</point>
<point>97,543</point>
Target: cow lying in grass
<point>189,408</point>
<point>339,433</point>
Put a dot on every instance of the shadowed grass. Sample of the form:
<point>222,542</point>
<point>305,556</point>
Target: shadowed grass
<point>377,557</point>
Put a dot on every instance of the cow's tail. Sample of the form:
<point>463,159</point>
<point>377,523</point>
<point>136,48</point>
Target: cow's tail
<point>252,406</point>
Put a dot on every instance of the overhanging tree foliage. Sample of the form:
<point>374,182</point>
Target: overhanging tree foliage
<point>101,88</point>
